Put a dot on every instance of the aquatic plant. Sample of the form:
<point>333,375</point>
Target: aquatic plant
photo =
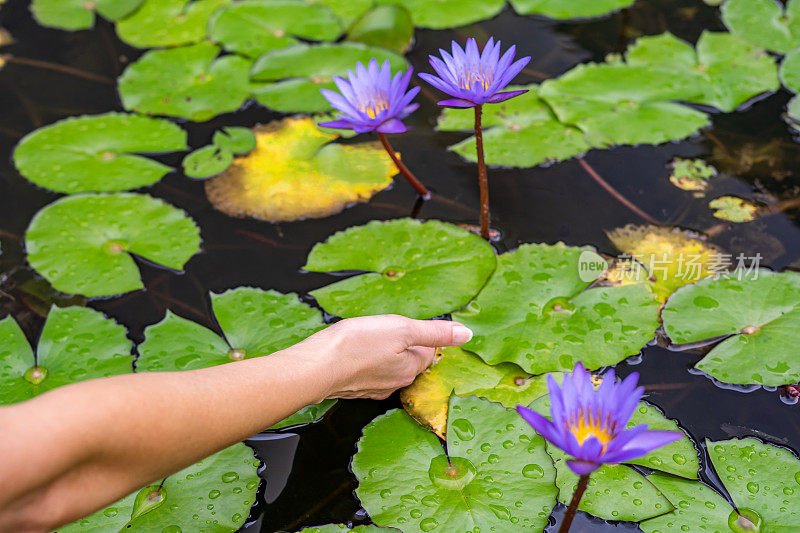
<point>473,79</point>
<point>589,425</point>
<point>372,100</point>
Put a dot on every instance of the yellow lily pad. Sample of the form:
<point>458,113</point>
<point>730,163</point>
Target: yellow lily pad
<point>691,175</point>
<point>733,209</point>
<point>463,372</point>
<point>297,172</point>
<point>672,257</point>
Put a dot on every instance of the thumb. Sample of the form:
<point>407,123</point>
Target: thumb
<point>437,333</point>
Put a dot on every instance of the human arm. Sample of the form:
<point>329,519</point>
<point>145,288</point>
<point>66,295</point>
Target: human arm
<point>79,448</point>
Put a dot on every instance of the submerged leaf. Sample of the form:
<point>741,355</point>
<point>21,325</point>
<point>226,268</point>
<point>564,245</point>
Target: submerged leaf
<point>82,244</point>
<point>558,9</point>
<point>410,268</point>
<point>441,14</point>
<point>293,76</point>
<point>756,313</point>
<point>557,319</point>
<point>220,489</point>
<point>252,27</point>
<point>496,474</point>
<point>672,257</point>
<point>162,23</point>
<point>691,174</point>
<point>297,172</point>
<point>462,372</point>
<point>188,82</point>
<point>76,344</point>
<point>79,14</point>
<point>98,153</point>
<point>254,323</point>
<point>733,209</point>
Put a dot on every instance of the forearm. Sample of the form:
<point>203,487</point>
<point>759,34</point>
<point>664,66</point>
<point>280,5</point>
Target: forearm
<point>115,435</point>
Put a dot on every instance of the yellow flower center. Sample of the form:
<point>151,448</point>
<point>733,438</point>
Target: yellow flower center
<point>592,426</point>
<point>473,77</point>
<point>376,104</point>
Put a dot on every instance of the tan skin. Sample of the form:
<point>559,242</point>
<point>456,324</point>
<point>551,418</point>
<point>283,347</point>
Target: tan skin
<point>79,448</point>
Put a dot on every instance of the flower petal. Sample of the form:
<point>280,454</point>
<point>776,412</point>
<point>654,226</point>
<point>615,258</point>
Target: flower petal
<point>392,126</point>
<point>582,467</point>
<point>337,124</point>
<point>456,102</point>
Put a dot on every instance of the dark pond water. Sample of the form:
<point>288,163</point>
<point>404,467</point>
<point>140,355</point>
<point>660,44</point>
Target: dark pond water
<point>549,204</point>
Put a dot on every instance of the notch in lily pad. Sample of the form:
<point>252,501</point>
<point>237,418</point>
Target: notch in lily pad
<point>211,160</point>
<point>253,323</point>
<point>83,244</point>
<point>407,267</point>
<point>218,490</point>
<point>495,474</point>
<point>76,344</point>
<point>98,153</point>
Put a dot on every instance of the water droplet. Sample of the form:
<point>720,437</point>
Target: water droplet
<point>230,477</point>
<point>500,512</point>
<point>485,447</point>
<point>463,428</point>
<point>752,487</point>
<point>171,529</point>
<point>214,494</point>
<point>533,471</point>
<point>111,512</point>
<point>428,524</point>
<point>495,493</point>
<point>385,493</point>
<point>678,458</point>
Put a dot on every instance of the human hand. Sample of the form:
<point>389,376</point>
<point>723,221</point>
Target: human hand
<point>371,357</point>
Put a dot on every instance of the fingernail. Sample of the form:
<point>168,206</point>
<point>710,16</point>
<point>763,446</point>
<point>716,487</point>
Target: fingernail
<point>461,334</point>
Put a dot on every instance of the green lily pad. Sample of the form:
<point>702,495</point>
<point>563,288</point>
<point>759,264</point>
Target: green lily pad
<point>81,244</point>
<point>162,23</point>
<point>793,113</point>
<point>733,209</point>
<point>347,12</point>
<point>338,528</point>
<point>207,162</point>
<point>495,475</point>
<point>79,14</point>
<point>462,372</point>
<point>691,174</point>
<point>764,23</point>
<point>790,71</point>
<point>558,9</point>
<point>521,132</point>
<point>254,323</point>
<point>557,319</point>
<point>388,26</point>
<point>98,153</point>
<point>441,14</point>
<point>762,480</point>
<point>76,344</point>
<point>411,268</point>
<point>760,316</point>
<point>252,27</point>
<point>618,492</point>
<point>235,139</point>
<point>293,76</point>
<point>188,82</point>
<point>213,495</point>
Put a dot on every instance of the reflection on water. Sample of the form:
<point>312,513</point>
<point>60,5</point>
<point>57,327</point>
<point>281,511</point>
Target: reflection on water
<point>752,149</point>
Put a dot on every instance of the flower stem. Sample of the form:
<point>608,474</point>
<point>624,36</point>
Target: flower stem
<point>418,186</point>
<point>64,69</point>
<point>482,178</point>
<point>583,482</point>
<point>616,194</point>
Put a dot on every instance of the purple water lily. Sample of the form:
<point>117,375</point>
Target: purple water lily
<point>589,424</point>
<point>371,99</point>
<point>473,78</point>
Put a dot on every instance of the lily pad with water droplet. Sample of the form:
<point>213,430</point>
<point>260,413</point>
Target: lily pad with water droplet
<point>557,319</point>
<point>213,495</point>
<point>252,27</point>
<point>462,372</point>
<point>522,132</point>
<point>496,474</point>
<point>289,79</point>
<point>98,153</point>
<point>558,9</point>
<point>697,507</point>
<point>758,315</point>
<point>189,82</point>
<point>79,14</point>
<point>253,323</point>
<point>82,244</point>
<point>76,344</point>
<point>162,23</point>
<point>672,256</point>
<point>297,172</point>
<point>764,23</point>
<point>691,174</point>
<point>441,14</point>
<point>410,268</point>
<point>619,492</point>
<point>733,209</point>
